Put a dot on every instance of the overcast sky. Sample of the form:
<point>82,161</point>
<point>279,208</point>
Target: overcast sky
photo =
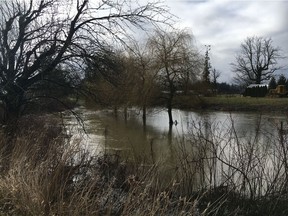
<point>225,24</point>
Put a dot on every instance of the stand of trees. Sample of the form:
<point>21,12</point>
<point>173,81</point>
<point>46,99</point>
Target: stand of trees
<point>38,36</point>
<point>225,88</point>
<point>273,83</point>
<point>43,50</point>
<point>166,63</point>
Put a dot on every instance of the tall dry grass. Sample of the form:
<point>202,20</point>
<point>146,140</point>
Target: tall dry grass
<point>232,173</point>
<point>44,173</point>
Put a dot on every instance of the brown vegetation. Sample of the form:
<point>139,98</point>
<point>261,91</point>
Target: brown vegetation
<point>43,172</point>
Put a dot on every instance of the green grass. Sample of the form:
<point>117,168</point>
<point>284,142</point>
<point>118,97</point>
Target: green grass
<point>237,103</point>
<point>231,103</point>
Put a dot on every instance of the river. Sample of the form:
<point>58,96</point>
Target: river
<point>232,137</point>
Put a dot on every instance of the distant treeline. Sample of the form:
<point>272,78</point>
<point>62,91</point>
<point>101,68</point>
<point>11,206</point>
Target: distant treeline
<point>225,88</point>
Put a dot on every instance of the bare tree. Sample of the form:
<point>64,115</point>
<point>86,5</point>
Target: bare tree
<point>106,78</point>
<point>257,60</point>
<point>38,35</point>
<point>145,75</point>
<point>174,56</point>
<point>214,76</point>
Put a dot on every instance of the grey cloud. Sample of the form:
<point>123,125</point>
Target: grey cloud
<point>225,25</point>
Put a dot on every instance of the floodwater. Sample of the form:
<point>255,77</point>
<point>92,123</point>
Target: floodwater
<point>190,137</point>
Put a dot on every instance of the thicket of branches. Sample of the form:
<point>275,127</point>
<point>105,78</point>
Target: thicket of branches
<point>39,36</point>
<point>257,60</point>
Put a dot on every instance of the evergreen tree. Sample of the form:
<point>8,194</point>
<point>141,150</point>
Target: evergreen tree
<point>286,84</point>
<point>207,66</point>
<point>272,83</point>
<point>281,80</point>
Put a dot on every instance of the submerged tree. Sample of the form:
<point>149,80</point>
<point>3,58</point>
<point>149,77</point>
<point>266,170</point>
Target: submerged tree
<point>174,58</point>
<point>145,87</point>
<point>38,35</point>
<point>257,60</point>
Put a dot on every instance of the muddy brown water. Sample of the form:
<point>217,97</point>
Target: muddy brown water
<point>155,143</point>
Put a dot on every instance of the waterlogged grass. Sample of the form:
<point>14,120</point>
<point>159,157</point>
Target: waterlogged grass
<point>44,173</point>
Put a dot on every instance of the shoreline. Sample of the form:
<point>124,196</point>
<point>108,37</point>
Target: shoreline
<point>233,104</point>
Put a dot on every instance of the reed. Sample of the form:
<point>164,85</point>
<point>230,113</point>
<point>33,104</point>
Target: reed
<point>43,172</point>
<point>233,174</point>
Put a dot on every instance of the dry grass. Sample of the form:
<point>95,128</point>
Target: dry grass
<point>43,173</point>
<point>239,175</point>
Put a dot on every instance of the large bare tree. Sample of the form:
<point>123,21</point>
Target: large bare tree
<point>176,60</point>
<point>257,60</point>
<point>36,36</point>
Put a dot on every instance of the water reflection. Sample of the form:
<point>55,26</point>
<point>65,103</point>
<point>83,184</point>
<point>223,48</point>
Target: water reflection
<point>197,137</point>
<point>105,132</point>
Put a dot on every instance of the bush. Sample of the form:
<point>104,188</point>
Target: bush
<point>257,91</point>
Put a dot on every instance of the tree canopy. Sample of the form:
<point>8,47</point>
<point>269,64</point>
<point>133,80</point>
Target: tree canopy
<point>272,83</point>
<point>257,60</point>
<point>36,36</point>
<point>177,61</point>
<point>281,80</point>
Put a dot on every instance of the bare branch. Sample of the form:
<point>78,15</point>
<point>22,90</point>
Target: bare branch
<point>35,32</point>
<point>257,60</point>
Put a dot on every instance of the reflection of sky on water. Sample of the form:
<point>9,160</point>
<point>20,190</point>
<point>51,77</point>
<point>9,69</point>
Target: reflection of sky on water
<point>243,122</point>
<point>132,141</point>
<point>104,131</point>
<point>158,120</point>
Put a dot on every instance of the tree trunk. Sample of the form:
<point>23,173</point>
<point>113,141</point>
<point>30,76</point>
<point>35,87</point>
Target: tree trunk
<point>125,114</point>
<point>12,107</point>
<point>116,112</point>
<point>258,78</point>
<point>169,106</point>
<point>170,116</point>
<point>144,111</point>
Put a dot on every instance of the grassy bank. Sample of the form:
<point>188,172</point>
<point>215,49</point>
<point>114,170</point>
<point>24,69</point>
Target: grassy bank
<point>233,103</point>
